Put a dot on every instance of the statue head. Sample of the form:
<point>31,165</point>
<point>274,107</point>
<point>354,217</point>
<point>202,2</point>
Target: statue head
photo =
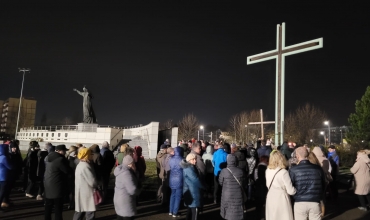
<point>84,89</point>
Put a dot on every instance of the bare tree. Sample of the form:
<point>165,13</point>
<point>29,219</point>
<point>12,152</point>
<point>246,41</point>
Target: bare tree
<point>188,127</point>
<point>238,129</point>
<point>166,125</point>
<point>300,124</point>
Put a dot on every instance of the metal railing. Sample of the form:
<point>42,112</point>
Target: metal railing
<point>73,127</point>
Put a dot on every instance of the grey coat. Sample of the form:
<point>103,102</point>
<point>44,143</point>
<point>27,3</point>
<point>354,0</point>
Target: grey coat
<point>232,195</point>
<point>125,191</point>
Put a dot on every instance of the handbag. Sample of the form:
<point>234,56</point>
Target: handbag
<point>97,197</point>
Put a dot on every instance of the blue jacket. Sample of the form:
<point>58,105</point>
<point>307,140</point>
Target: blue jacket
<point>176,176</point>
<point>219,160</point>
<point>5,164</point>
<point>334,156</point>
<point>263,151</point>
<point>192,185</point>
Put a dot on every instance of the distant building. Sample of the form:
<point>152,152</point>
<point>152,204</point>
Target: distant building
<point>9,114</point>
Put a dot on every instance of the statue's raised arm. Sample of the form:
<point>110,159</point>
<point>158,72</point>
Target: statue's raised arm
<point>88,111</point>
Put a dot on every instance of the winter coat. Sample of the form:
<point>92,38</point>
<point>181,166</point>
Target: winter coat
<point>334,156</point>
<point>140,163</point>
<point>260,183</point>
<point>361,171</point>
<point>325,164</point>
<point>201,167</point>
<point>125,191</point>
<point>5,163</point>
<point>309,181</point>
<point>278,205</point>
<point>241,163</point>
<point>84,187</point>
<point>97,161</point>
<point>192,185</point>
<point>32,164</point>
<point>41,155</point>
<point>159,159</point>
<point>286,151</point>
<point>108,160</point>
<point>56,173</point>
<point>219,161</point>
<point>232,194</point>
<point>176,177</point>
<point>207,159</point>
<point>263,151</point>
<point>17,162</point>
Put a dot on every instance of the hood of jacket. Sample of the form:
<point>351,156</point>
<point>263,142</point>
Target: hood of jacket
<point>231,160</point>
<point>179,151</point>
<point>161,153</point>
<point>53,156</point>
<point>185,164</point>
<point>364,158</point>
<point>120,169</point>
<point>318,152</point>
<point>4,149</point>
<point>138,151</point>
<point>209,149</point>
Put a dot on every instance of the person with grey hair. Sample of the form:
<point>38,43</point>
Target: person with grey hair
<point>309,181</point>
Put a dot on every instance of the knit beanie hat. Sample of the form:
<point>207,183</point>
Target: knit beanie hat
<point>127,160</point>
<point>190,157</point>
<point>83,153</point>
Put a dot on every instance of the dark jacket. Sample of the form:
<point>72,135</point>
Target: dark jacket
<point>108,160</point>
<point>232,194</point>
<point>140,163</point>
<point>263,151</point>
<point>286,151</point>
<point>192,185</point>
<point>309,181</point>
<point>56,173</point>
<point>17,162</point>
<point>5,163</point>
<point>32,163</point>
<point>241,160</point>
<point>176,177</point>
<point>41,155</point>
<point>97,161</point>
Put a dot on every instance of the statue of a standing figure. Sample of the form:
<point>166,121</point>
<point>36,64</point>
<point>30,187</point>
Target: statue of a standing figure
<point>89,115</point>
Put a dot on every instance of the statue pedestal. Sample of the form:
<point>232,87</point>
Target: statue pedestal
<point>86,127</point>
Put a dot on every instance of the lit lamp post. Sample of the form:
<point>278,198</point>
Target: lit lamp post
<point>311,141</point>
<point>24,70</point>
<point>328,124</point>
<point>323,133</point>
<point>201,128</point>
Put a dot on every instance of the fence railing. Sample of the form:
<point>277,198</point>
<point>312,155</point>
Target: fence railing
<point>73,127</point>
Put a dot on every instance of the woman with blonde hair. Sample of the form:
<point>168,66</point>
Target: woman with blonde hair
<point>280,187</point>
<point>85,184</point>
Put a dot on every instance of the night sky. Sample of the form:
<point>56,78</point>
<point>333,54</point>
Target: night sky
<point>155,61</point>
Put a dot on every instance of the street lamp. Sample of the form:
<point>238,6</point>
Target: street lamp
<point>201,128</point>
<point>24,70</point>
<point>328,124</point>
<point>323,133</point>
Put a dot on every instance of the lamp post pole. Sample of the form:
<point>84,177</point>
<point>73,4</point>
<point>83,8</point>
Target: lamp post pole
<point>201,128</point>
<point>24,70</point>
<point>328,124</point>
<point>323,134</point>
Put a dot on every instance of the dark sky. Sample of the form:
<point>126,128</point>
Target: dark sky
<point>161,60</point>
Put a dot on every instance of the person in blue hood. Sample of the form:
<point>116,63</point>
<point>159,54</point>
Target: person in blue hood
<point>176,181</point>
<point>5,167</point>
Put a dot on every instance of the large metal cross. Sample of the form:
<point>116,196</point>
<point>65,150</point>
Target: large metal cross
<point>279,54</point>
<point>261,123</point>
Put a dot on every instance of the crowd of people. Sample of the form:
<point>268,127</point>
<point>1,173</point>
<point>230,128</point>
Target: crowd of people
<point>52,172</point>
<point>296,177</point>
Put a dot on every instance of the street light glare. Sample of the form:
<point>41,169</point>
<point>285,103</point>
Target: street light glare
<point>201,127</point>
<point>321,132</point>
<point>326,122</point>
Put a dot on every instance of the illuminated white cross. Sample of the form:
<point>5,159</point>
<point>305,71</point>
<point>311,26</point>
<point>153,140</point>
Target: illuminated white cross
<point>279,54</point>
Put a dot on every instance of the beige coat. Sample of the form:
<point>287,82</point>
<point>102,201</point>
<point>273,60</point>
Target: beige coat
<point>324,162</point>
<point>361,170</point>
<point>84,188</point>
<point>278,204</point>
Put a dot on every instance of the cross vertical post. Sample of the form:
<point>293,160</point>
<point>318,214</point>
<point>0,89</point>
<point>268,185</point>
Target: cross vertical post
<point>279,54</point>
